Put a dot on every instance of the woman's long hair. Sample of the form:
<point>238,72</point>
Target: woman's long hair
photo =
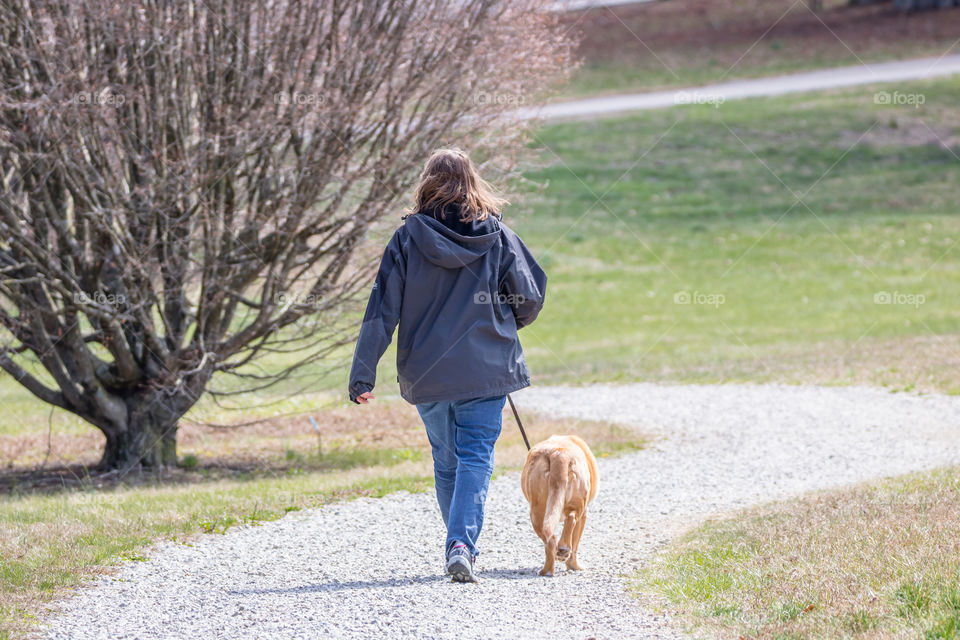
<point>449,178</point>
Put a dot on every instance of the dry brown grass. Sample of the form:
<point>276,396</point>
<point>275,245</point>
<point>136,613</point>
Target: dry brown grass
<point>881,561</point>
<point>709,40</point>
<point>911,363</point>
<point>256,442</point>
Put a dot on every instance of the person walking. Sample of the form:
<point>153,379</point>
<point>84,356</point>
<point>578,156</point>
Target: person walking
<point>460,284</point>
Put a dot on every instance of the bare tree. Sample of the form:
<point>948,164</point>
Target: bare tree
<point>186,184</point>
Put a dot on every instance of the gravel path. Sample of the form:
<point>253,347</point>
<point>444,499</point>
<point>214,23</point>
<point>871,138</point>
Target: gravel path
<point>370,568</point>
<point>717,94</point>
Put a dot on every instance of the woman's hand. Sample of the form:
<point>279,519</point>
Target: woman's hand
<point>365,398</point>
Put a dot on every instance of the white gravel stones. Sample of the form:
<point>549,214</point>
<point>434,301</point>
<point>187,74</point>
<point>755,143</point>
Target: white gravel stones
<point>371,568</point>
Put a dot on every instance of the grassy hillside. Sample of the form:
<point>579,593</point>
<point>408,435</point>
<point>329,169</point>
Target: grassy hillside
<point>815,237</point>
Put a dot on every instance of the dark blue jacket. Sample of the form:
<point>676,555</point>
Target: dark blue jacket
<point>459,292</point>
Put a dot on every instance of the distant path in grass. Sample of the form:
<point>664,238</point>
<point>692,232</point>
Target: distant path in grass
<point>371,568</point>
<point>879,72</point>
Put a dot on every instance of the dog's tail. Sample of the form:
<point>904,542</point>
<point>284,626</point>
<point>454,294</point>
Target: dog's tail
<point>556,495</point>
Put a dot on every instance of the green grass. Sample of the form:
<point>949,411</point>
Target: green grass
<point>350,458</point>
<point>638,210</point>
<point>876,561</point>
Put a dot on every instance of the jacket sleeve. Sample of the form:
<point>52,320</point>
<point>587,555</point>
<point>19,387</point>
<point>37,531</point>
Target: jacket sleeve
<point>380,318</point>
<point>522,282</point>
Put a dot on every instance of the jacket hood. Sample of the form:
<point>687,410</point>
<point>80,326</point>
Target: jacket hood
<point>446,248</point>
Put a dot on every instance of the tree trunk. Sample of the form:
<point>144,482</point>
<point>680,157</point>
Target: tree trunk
<point>150,437</point>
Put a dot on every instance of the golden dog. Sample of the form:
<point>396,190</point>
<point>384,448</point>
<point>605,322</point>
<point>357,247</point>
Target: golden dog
<point>559,479</point>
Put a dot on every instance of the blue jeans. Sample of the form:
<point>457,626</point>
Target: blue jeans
<point>462,434</point>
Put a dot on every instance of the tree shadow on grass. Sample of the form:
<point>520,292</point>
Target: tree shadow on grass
<point>66,478</point>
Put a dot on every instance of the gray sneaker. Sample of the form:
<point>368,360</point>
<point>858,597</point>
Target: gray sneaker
<point>460,564</point>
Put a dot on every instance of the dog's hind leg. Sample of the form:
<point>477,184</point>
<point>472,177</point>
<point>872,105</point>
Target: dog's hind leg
<point>550,549</point>
<point>563,551</point>
<point>547,533</point>
<point>572,563</point>
<point>553,512</point>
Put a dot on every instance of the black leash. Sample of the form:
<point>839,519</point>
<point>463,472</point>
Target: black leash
<point>519,423</point>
